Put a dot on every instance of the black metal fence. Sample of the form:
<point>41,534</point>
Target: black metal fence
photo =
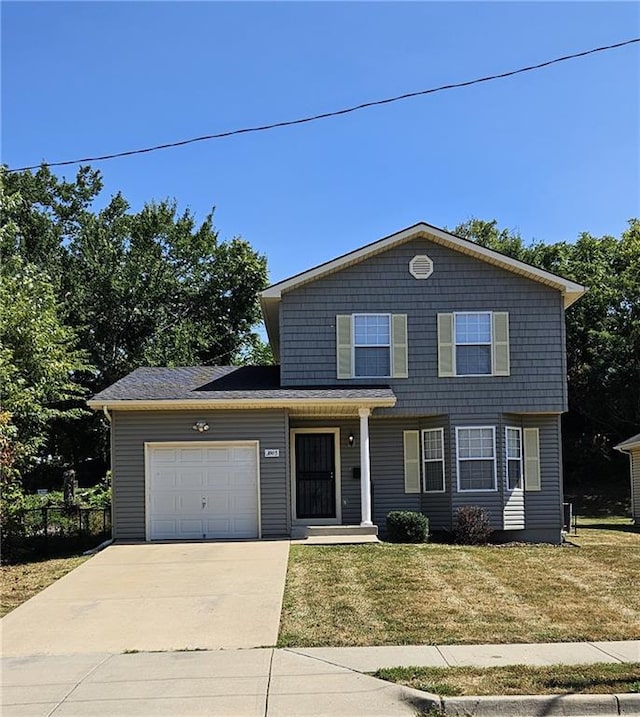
<point>56,530</point>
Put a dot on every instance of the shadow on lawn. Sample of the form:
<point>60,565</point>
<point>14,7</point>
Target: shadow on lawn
<point>621,527</point>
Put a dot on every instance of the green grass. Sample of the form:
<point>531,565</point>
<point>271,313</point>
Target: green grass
<point>602,678</point>
<point>442,594</point>
<point>23,581</point>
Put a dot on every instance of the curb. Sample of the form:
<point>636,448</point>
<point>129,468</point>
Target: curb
<point>98,548</point>
<point>526,705</point>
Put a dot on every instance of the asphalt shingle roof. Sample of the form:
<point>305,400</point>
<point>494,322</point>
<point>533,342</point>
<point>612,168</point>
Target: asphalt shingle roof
<point>223,383</point>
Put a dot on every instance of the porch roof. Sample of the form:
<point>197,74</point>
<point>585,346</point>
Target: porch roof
<point>236,387</point>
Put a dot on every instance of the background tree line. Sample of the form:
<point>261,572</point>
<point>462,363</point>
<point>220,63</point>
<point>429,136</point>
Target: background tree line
<point>88,295</point>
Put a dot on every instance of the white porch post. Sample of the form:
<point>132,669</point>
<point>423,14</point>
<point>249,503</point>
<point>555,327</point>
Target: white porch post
<point>365,467</point>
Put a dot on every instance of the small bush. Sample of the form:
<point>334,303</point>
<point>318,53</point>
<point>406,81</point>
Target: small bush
<point>404,526</point>
<point>473,526</point>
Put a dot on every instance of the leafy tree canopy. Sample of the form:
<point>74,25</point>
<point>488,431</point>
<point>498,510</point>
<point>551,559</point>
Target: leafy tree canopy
<point>152,287</point>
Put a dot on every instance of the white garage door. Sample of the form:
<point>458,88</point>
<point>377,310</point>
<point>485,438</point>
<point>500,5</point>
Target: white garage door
<point>205,491</point>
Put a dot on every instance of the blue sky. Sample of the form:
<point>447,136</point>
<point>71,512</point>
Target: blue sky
<point>551,153</point>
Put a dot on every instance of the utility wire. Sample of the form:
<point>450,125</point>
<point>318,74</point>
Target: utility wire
<point>335,113</point>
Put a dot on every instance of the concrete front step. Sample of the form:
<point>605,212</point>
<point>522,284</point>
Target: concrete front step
<point>313,530</point>
<point>334,534</point>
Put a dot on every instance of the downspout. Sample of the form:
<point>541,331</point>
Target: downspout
<point>107,415</point>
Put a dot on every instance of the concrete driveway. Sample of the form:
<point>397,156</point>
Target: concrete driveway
<point>146,597</point>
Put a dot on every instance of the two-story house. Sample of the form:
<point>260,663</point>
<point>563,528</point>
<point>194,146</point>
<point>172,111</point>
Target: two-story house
<point>421,372</point>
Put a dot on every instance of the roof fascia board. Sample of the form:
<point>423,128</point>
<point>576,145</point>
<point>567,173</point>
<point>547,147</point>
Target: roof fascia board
<point>570,290</point>
<point>247,403</point>
<point>626,446</point>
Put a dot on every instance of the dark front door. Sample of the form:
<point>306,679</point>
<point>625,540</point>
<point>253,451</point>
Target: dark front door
<point>315,476</point>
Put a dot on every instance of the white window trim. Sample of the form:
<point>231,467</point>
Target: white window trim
<point>354,346</point>
<point>432,460</point>
<point>458,460</point>
<point>455,344</point>
<point>507,458</point>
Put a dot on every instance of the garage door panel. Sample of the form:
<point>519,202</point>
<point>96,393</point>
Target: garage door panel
<point>189,479</point>
<point>203,492</point>
<point>166,455</point>
<point>191,455</point>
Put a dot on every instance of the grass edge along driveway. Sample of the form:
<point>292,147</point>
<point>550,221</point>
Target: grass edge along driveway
<point>24,580</point>
<point>431,594</point>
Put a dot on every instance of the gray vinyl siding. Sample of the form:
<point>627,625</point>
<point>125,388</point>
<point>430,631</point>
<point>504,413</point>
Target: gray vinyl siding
<point>131,429</point>
<point>387,469</point>
<point>437,506</point>
<point>458,283</point>
<point>635,484</point>
<point>543,508</point>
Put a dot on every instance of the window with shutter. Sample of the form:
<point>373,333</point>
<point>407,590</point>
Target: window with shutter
<point>343,346</point>
<point>473,343</point>
<point>411,461</point>
<point>532,459</point>
<point>372,346</point>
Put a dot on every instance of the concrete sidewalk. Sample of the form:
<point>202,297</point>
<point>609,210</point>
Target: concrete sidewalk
<point>312,682</point>
<point>229,683</point>
<point>370,659</point>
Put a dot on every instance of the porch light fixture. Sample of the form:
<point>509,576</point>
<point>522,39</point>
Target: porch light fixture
<point>351,439</point>
<point>200,426</point>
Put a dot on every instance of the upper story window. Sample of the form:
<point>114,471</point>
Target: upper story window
<point>372,345</point>
<point>473,343</point>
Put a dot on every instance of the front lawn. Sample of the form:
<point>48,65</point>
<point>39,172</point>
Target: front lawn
<point>442,594</point>
<point>24,580</point>
<point>603,678</point>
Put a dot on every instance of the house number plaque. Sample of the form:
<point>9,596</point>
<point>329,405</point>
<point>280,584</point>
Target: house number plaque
<point>272,453</point>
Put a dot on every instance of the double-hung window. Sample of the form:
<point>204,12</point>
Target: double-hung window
<point>513,445</point>
<point>473,344</point>
<point>433,460</point>
<point>476,458</point>
<point>372,345</point>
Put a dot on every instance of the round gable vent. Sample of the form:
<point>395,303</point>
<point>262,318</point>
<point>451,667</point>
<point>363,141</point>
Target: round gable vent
<point>421,267</point>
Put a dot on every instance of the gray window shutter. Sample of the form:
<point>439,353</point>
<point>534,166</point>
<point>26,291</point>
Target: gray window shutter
<point>501,343</point>
<point>344,348</point>
<point>400,358</point>
<point>531,441</point>
<point>411,461</point>
<point>445,345</point>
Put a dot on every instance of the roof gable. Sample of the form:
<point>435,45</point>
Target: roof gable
<point>271,296</point>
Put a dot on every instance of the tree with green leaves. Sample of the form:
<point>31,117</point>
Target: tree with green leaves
<point>146,288</point>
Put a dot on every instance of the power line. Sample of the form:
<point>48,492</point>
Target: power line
<point>335,113</point>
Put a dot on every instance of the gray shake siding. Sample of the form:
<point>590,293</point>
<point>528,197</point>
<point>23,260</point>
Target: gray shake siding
<point>458,283</point>
<point>131,429</point>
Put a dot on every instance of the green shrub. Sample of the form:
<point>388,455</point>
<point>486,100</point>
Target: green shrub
<point>473,526</point>
<point>404,526</point>
<point>97,497</point>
